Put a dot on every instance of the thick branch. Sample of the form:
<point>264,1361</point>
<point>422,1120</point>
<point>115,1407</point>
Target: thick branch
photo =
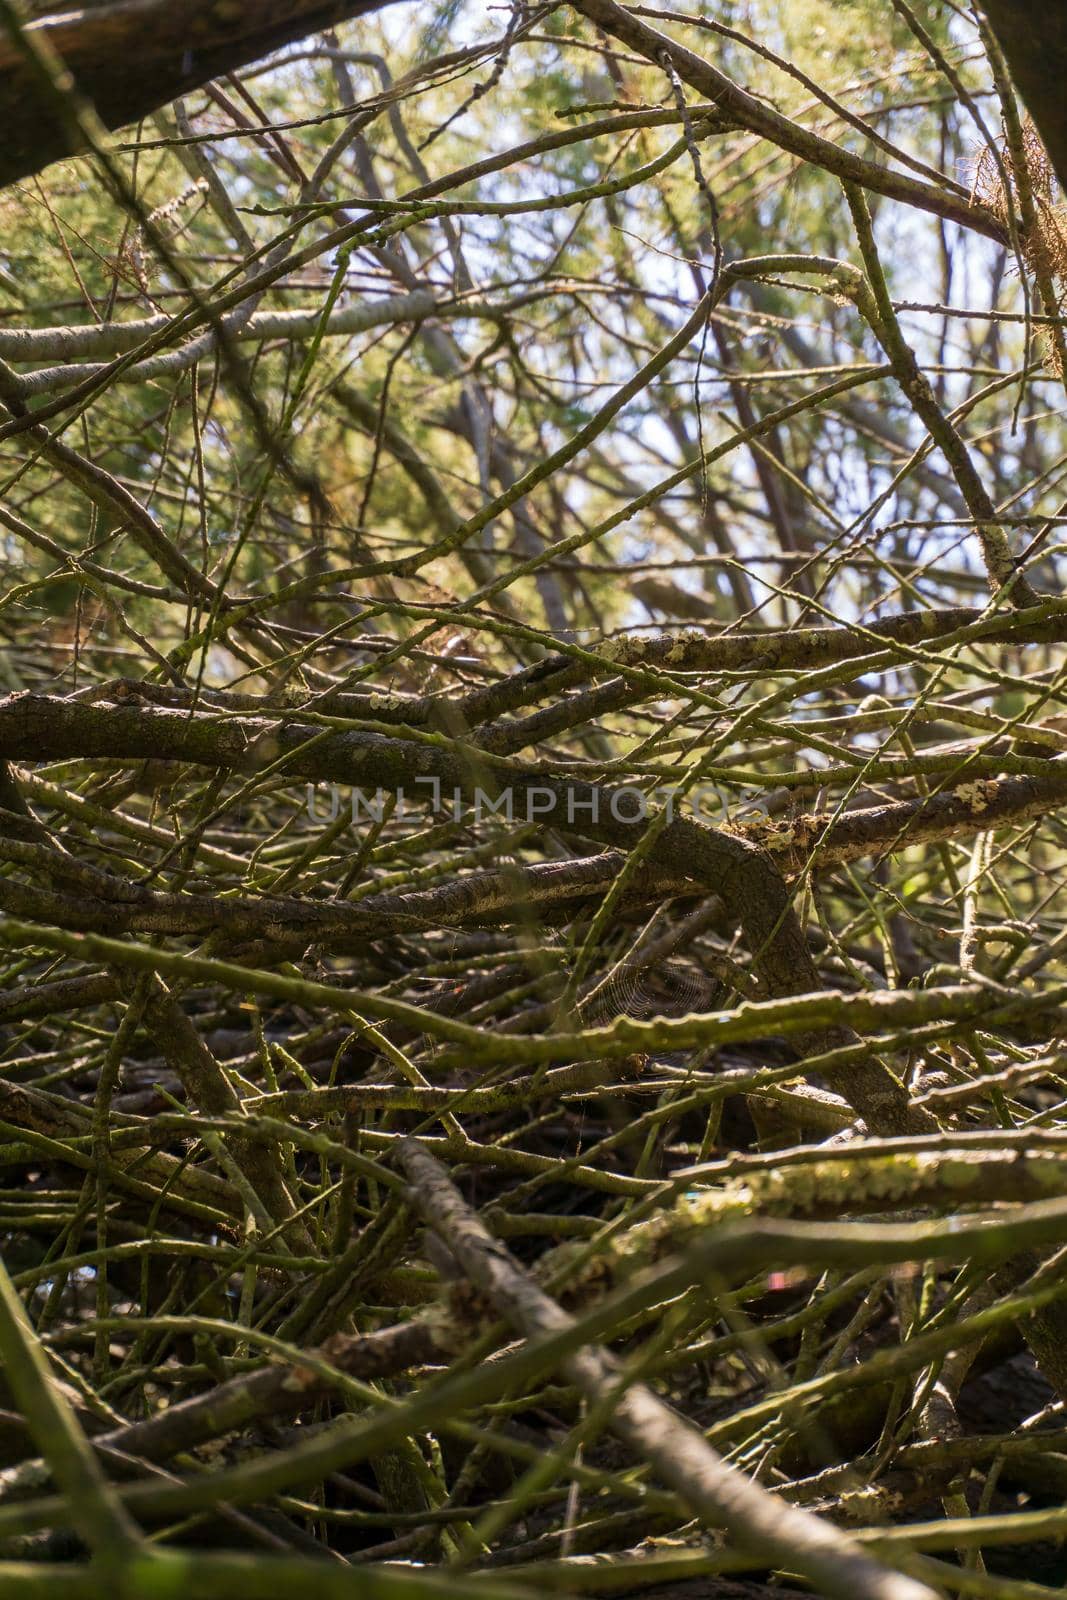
<point>717,1493</point>
<point>134,56</point>
<point>758,117</point>
<point>1034,40</point>
<point>740,872</point>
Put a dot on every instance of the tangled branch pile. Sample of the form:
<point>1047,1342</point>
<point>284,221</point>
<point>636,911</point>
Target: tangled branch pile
<point>532,877</point>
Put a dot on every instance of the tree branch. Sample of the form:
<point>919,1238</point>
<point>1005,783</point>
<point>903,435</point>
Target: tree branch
<point>133,56</point>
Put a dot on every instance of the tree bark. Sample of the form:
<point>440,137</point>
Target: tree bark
<point>1034,41</point>
<point>133,56</point>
